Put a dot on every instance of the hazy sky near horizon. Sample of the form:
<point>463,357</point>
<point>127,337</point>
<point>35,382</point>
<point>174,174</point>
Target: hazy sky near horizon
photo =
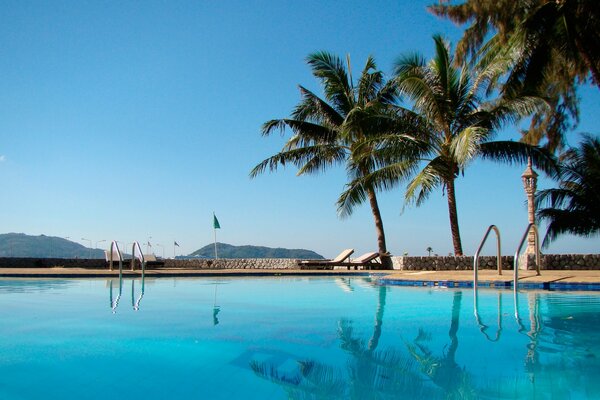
<point>135,120</point>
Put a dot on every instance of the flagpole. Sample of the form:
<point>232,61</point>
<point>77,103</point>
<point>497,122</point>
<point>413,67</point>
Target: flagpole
<point>216,255</point>
<point>216,226</point>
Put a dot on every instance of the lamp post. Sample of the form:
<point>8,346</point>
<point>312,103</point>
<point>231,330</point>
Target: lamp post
<point>148,245</point>
<point>90,256</point>
<point>100,241</point>
<point>529,179</point>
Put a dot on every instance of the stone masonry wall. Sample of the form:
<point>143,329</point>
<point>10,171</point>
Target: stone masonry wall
<point>549,262</point>
<point>446,263</point>
<point>242,263</point>
<point>233,263</point>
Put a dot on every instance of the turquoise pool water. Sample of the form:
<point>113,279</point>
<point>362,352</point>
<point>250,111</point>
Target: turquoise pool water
<point>292,338</point>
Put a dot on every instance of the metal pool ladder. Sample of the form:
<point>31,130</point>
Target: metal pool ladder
<point>114,245</point>
<point>537,253</point>
<point>476,258</point>
<point>483,327</point>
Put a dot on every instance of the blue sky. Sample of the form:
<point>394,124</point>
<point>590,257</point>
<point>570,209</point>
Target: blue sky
<point>130,120</point>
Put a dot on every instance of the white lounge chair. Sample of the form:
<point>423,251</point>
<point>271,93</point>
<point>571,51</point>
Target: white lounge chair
<point>322,264</point>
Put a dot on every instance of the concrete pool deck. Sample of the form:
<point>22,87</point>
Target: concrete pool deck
<point>414,278</point>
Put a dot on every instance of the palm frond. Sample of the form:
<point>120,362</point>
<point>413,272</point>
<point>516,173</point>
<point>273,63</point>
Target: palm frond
<point>430,177</point>
<point>509,152</point>
<point>307,130</point>
<point>330,70</point>
<point>465,146</point>
<point>308,159</point>
<point>313,108</point>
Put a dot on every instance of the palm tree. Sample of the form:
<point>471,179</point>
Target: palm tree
<point>460,124</point>
<point>574,207</point>
<point>554,44</point>
<point>336,130</point>
<point>429,250</point>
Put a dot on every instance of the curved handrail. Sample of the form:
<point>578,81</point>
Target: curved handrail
<point>476,258</point>
<point>140,257</point>
<point>114,245</point>
<point>537,253</point>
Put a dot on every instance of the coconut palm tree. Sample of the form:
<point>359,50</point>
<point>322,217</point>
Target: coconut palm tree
<point>574,207</point>
<point>461,122</point>
<point>449,105</point>
<point>554,44</point>
<point>335,130</point>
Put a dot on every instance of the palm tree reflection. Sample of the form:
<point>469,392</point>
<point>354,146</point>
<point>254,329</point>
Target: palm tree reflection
<point>370,373</point>
<point>443,370</point>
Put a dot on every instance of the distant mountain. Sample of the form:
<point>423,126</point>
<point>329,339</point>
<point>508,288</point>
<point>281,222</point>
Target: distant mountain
<point>42,246</point>
<point>229,251</point>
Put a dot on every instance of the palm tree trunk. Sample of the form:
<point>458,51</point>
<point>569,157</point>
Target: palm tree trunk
<point>453,218</point>
<point>386,261</point>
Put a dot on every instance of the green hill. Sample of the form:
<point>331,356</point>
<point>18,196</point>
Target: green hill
<point>229,251</point>
<point>42,246</point>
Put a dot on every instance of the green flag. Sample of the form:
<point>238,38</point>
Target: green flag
<point>216,222</point>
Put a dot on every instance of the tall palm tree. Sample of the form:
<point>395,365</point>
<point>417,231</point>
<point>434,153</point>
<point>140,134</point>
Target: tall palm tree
<point>449,104</point>
<point>574,207</point>
<point>336,129</point>
<point>555,46</point>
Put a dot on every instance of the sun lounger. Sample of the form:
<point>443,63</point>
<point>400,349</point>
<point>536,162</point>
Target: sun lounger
<point>366,260</point>
<point>323,264</point>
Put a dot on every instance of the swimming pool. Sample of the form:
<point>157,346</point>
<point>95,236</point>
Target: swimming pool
<point>292,337</point>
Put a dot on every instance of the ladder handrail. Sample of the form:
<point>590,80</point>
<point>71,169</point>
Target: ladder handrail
<point>140,256</point>
<point>114,244</point>
<point>476,258</point>
<point>537,252</point>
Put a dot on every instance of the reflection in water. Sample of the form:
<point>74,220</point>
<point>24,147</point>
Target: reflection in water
<point>418,372</point>
<point>483,327</point>
<point>29,285</point>
<point>216,308</point>
<point>115,303</point>
<point>135,303</point>
<point>370,373</point>
<point>443,370</point>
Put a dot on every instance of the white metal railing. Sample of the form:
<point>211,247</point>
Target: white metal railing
<point>114,245</point>
<point>537,253</point>
<point>476,258</point>
<point>140,256</point>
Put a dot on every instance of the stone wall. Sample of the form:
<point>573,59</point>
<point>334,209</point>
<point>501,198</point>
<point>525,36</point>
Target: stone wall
<point>571,261</point>
<point>233,263</point>
<point>14,262</point>
<point>242,263</point>
<point>549,261</point>
<point>446,263</point>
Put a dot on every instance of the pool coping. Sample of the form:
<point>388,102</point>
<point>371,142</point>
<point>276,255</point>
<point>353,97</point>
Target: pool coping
<point>588,280</point>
